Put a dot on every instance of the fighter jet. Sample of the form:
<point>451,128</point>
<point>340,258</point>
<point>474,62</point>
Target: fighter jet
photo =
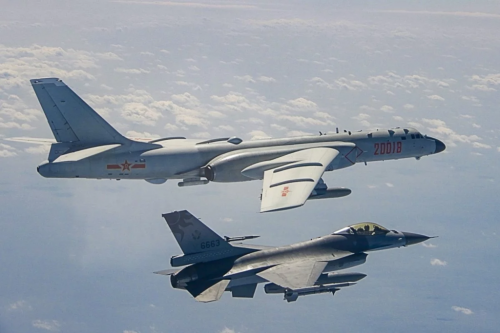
<point>86,146</point>
<point>214,264</point>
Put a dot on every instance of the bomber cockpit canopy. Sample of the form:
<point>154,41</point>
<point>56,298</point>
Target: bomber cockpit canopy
<point>364,228</point>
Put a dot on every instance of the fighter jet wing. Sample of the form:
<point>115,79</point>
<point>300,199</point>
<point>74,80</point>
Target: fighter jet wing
<point>294,275</point>
<point>289,185</point>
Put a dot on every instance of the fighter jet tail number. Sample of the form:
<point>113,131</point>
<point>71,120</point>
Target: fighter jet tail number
<point>209,244</point>
<point>388,148</point>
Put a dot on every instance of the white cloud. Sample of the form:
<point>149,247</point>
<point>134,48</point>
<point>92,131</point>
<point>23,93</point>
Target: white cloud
<point>201,135</point>
<point>225,128</point>
<point>480,145</point>
<point>297,133</point>
<point>19,305</point>
<point>140,114</point>
<point>465,311</point>
<point>258,135</point>
<point>186,99</point>
<point>305,121</point>
<point>429,245</point>
<point>38,150</point>
<point>48,325</point>
<point>440,127</point>
<point>227,330</point>
<point>389,184</point>
<point>278,127</point>
<point>131,70</point>
<point>387,108</point>
<point>438,262</point>
<point>227,219</point>
<point>216,114</point>
<point>409,106</point>
<point>7,153</point>
<point>481,87</point>
<point>435,97</point>
<point>143,135</point>
<point>302,103</point>
<point>183,116</point>
<point>12,124</point>
<point>266,79</point>
<point>246,78</point>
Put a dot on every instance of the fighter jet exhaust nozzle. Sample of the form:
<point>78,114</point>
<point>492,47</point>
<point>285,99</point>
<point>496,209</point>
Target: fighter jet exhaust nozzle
<point>181,278</point>
<point>412,238</point>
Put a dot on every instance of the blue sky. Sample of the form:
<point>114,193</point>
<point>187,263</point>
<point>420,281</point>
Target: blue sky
<point>78,255</point>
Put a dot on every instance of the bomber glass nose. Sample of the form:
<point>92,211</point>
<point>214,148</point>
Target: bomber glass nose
<point>412,238</point>
<point>440,146</point>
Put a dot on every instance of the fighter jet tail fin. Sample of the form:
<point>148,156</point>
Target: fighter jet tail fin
<point>70,118</point>
<point>193,235</point>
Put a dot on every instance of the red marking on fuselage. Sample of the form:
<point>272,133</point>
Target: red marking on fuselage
<point>113,166</point>
<point>139,166</point>
<point>126,166</point>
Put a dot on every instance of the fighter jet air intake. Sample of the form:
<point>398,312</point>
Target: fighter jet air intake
<point>86,146</point>
<point>214,265</point>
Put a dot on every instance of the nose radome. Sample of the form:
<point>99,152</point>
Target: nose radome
<point>412,238</point>
<point>440,146</point>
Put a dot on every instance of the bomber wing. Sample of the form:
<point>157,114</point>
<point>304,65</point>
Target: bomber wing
<point>290,185</point>
<point>294,275</point>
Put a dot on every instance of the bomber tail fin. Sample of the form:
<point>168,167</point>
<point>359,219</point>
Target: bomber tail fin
<point>70,118</point>
<point>193,235</point>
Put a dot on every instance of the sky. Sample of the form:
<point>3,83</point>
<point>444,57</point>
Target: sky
<point>79,255</point>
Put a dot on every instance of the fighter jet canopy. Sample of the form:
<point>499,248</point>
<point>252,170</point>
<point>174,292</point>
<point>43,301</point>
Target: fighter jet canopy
<point>364,228</point>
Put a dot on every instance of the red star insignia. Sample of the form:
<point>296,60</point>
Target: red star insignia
<point>126,166</point>
<point>285,191</point>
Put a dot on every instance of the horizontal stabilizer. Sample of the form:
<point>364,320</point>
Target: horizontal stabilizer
<point>37,141</point>
<point>208,293</point>
<point>84,153</point>
<point>167,272</point>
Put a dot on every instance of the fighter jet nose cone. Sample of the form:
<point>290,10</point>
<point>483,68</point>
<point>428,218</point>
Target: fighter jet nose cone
<point>412,238</point>
<point>440,146</point>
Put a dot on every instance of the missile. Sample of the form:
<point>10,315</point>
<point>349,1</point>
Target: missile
<point>291,295</point>
<point>324,279</point>
<point>239,238</point>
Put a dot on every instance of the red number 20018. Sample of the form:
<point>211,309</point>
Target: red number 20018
<point>388,148</point>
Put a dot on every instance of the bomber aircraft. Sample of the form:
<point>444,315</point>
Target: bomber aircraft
<point>214,264</point>
<point>86,146</point>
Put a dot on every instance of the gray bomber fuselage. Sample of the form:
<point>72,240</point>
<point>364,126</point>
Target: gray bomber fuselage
<point>223,161</point>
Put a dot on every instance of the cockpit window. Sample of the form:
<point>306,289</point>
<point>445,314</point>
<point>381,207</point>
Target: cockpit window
<point>365,228</point>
